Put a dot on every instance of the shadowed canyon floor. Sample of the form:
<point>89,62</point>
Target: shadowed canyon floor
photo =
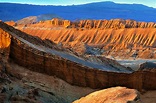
<point>78,64</point>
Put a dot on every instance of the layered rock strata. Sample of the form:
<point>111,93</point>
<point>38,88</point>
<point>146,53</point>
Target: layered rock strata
<point>24,53</point>
<point>94,24</point>
<point>137,39</point>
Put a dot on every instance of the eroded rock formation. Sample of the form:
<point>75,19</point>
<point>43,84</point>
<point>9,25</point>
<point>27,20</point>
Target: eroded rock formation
<point>137,39</point>
<point>5,39</point>
<point>95,24</point>
<point>29,52</point>
<point>112,95</point>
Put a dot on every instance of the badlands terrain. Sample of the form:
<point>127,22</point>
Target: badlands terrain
<point>98,37</point>
<point>77,53</point>
<point>60,61</point>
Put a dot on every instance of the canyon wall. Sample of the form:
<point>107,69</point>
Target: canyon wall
<point>77,74</point>
<point>93,24</point>
<point>137,39</point>
<point>114,23</point>
<point>71,72</point>
<point>5,39</point>
<point>121,38</point>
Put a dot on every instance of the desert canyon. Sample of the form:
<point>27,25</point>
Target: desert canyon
<point>81,61</point>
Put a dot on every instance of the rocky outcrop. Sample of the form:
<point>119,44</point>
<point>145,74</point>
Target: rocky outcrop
<point>11,23</point>
<point>137,36</point>
<point>5,42</point>
<point>5,39</point>
<point>137,39</point>
<point>138,42</point>
<point>114,23</point>
<point>59,22</point>
<point>147,66</point>
<point>93,24</point>
<point>112,95</point>
<point>24,52</point>
<point>55,22</point>
<point>113,39</point>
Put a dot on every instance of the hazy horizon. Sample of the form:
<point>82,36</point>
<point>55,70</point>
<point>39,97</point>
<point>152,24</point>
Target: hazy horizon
<point>71,2</point>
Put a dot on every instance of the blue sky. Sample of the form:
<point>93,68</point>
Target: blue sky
<point>151,3</point>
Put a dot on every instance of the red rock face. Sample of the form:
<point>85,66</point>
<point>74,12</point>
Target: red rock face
<point>5,39</point>
<point>11,23</point>
<point>114,23</point>
<point>113,36</point>
<point>92,24</point>
<point>76,74</point>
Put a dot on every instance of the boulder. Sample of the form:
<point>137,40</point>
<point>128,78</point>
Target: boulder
<point>112,95</point>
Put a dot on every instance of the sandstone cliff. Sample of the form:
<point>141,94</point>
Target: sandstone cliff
<point>115,39</point>
<point>139,42</point>
<point>29,52</point>
<point>112,37</point>
<point>92,24</point>
<point>114,23</point>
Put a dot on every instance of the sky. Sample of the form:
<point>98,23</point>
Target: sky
<point>150,3</point>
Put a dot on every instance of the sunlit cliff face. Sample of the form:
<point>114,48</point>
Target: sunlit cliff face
<point>137,39</point>
<point>5,39</point>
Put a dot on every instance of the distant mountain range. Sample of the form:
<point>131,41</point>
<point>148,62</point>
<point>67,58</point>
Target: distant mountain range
<point>99,10</point>
<point>34,19</point>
